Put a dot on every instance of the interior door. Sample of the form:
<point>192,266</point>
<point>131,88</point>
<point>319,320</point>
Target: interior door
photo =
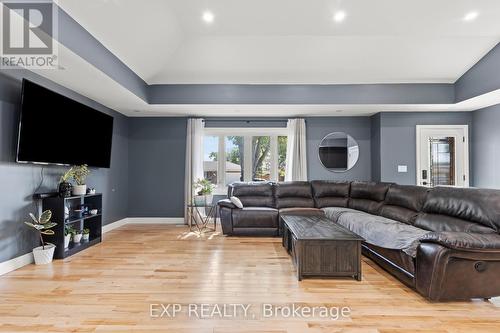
<point>442,156</point>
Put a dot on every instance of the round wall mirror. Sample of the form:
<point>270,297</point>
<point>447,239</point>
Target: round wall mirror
<point>338,152</point>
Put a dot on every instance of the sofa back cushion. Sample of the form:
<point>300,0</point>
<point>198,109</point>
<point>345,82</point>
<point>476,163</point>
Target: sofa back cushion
<point>461,209</point>
<point>404,202</point>
<point>330,193</point>
<point>368,196</point>
<point>253,194</point>
<point>294,194</point>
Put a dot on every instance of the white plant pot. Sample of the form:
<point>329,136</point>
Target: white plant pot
<point>77,238</point>
<point>44,256</point>
<point>85,237</point>
<point>202,200</point>
<point>79,189</point>
<point>67,239</point>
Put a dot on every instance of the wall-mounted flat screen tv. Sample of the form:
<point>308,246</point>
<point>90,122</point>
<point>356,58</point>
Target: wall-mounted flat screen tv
<point>55,129</point>
<point>333,157</point>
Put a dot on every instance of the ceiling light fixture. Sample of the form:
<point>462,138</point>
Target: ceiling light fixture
<point>339,16</point>
<point>208,16</point>
<point>471,16</point>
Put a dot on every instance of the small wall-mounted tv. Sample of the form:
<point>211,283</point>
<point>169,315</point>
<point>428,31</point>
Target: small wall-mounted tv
<point>55,129</point>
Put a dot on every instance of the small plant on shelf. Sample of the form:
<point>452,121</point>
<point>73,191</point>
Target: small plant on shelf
<point>79,175</point>
<point>43,254</point>
<point>65,185</point>
<point>68,232</point>
<point>204,189</point>
<point>77,236</point>
<point>86,235</point>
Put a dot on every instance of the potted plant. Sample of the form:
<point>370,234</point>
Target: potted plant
<point>79,175</point>
<point>43,254</point>
<point>77,236</point>
<point>86,235</point>
<point>65,185</point>
<point>203,188</point>
<point>68,231</point>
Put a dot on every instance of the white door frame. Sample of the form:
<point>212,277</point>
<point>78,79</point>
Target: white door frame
<point>465,128</point>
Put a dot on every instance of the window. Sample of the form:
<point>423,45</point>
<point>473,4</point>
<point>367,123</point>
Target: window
<point>210,160</point>
<point>244,154</point>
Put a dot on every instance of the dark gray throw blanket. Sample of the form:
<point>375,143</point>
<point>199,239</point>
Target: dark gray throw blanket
<point>378,230</point>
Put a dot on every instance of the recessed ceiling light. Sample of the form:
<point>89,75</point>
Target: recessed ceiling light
<point>339,16</point>
<point>471,16</point>
<point>208,16</point>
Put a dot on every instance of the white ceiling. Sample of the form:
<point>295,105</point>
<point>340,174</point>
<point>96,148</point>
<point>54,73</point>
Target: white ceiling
<point>292,41</point>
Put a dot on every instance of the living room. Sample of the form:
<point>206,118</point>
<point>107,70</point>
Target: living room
<point>237,166</point>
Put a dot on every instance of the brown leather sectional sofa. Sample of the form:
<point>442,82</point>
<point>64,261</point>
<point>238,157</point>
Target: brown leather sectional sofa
<point>444,242</point>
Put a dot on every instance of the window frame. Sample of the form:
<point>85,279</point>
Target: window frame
<point>247,133</point>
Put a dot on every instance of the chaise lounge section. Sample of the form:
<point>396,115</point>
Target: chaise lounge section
<point>444,242</point>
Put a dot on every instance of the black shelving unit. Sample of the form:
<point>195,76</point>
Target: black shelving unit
<point>64,213</point>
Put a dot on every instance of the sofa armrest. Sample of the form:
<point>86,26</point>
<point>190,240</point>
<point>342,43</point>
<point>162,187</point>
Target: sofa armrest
<point>464,240</point>
<point>226,203</point>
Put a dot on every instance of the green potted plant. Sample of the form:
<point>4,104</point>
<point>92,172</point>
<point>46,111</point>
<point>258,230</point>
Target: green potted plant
<point>45,253</point>
<point>86,235</point>
<point>79,175</point>
<point>203,189</point>
<point>65,185</point>
<point>68,232</point>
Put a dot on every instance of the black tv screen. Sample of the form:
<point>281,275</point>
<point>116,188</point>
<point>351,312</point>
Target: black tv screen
<point>333,157</point>
<point>55,129</point>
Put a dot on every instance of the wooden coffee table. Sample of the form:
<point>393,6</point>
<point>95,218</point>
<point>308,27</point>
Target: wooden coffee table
<point>321,248</point>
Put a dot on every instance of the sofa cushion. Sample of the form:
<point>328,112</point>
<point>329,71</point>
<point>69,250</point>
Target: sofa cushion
<point>464,240</point>
<point>294,194</point>
<point>384,232</point>
<point>255,217</point>
<point>237,202</point>
<point>330,193</point>
<point>480,206</point>
<point>253,194</point>
<point>368,196</point>
<point>404,202</point>
<point>438,222</point>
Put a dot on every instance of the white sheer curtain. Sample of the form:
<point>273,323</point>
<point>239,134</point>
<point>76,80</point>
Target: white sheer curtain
<point>296,158</point>
<point>194,159</point>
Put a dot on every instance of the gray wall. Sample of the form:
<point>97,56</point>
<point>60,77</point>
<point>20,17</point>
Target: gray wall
<point>398,140</point>
<point>486,147</point>
<point>156,167</point>
<point>357,127</point>
<point>19,181</point>
<point>375,147</point>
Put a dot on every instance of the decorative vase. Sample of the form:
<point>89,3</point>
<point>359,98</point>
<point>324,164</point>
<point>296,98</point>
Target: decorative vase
<point>43,255</point>
<point>79,189</point>
<point>67,239</point>
<point>77,238</point>
<point>65,189</point>
<point>203,200</point>
<point>85,237</point>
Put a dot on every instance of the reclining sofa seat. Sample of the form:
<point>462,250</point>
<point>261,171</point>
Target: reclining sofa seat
<point>457,249</point>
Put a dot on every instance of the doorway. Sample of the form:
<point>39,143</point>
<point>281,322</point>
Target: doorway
<point>443,155</point>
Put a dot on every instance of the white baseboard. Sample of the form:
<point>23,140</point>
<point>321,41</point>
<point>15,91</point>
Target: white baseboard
<point>155,220</point>
<point>13,264</point>
<point>26,259</point>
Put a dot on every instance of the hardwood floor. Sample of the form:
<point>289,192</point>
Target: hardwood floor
<point>110,288</point>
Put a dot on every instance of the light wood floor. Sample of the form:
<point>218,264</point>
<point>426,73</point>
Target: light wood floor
<point>110,288</point>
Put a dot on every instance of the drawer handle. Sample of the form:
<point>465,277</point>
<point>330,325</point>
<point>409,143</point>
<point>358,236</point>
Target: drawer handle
<point>480,266</point>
